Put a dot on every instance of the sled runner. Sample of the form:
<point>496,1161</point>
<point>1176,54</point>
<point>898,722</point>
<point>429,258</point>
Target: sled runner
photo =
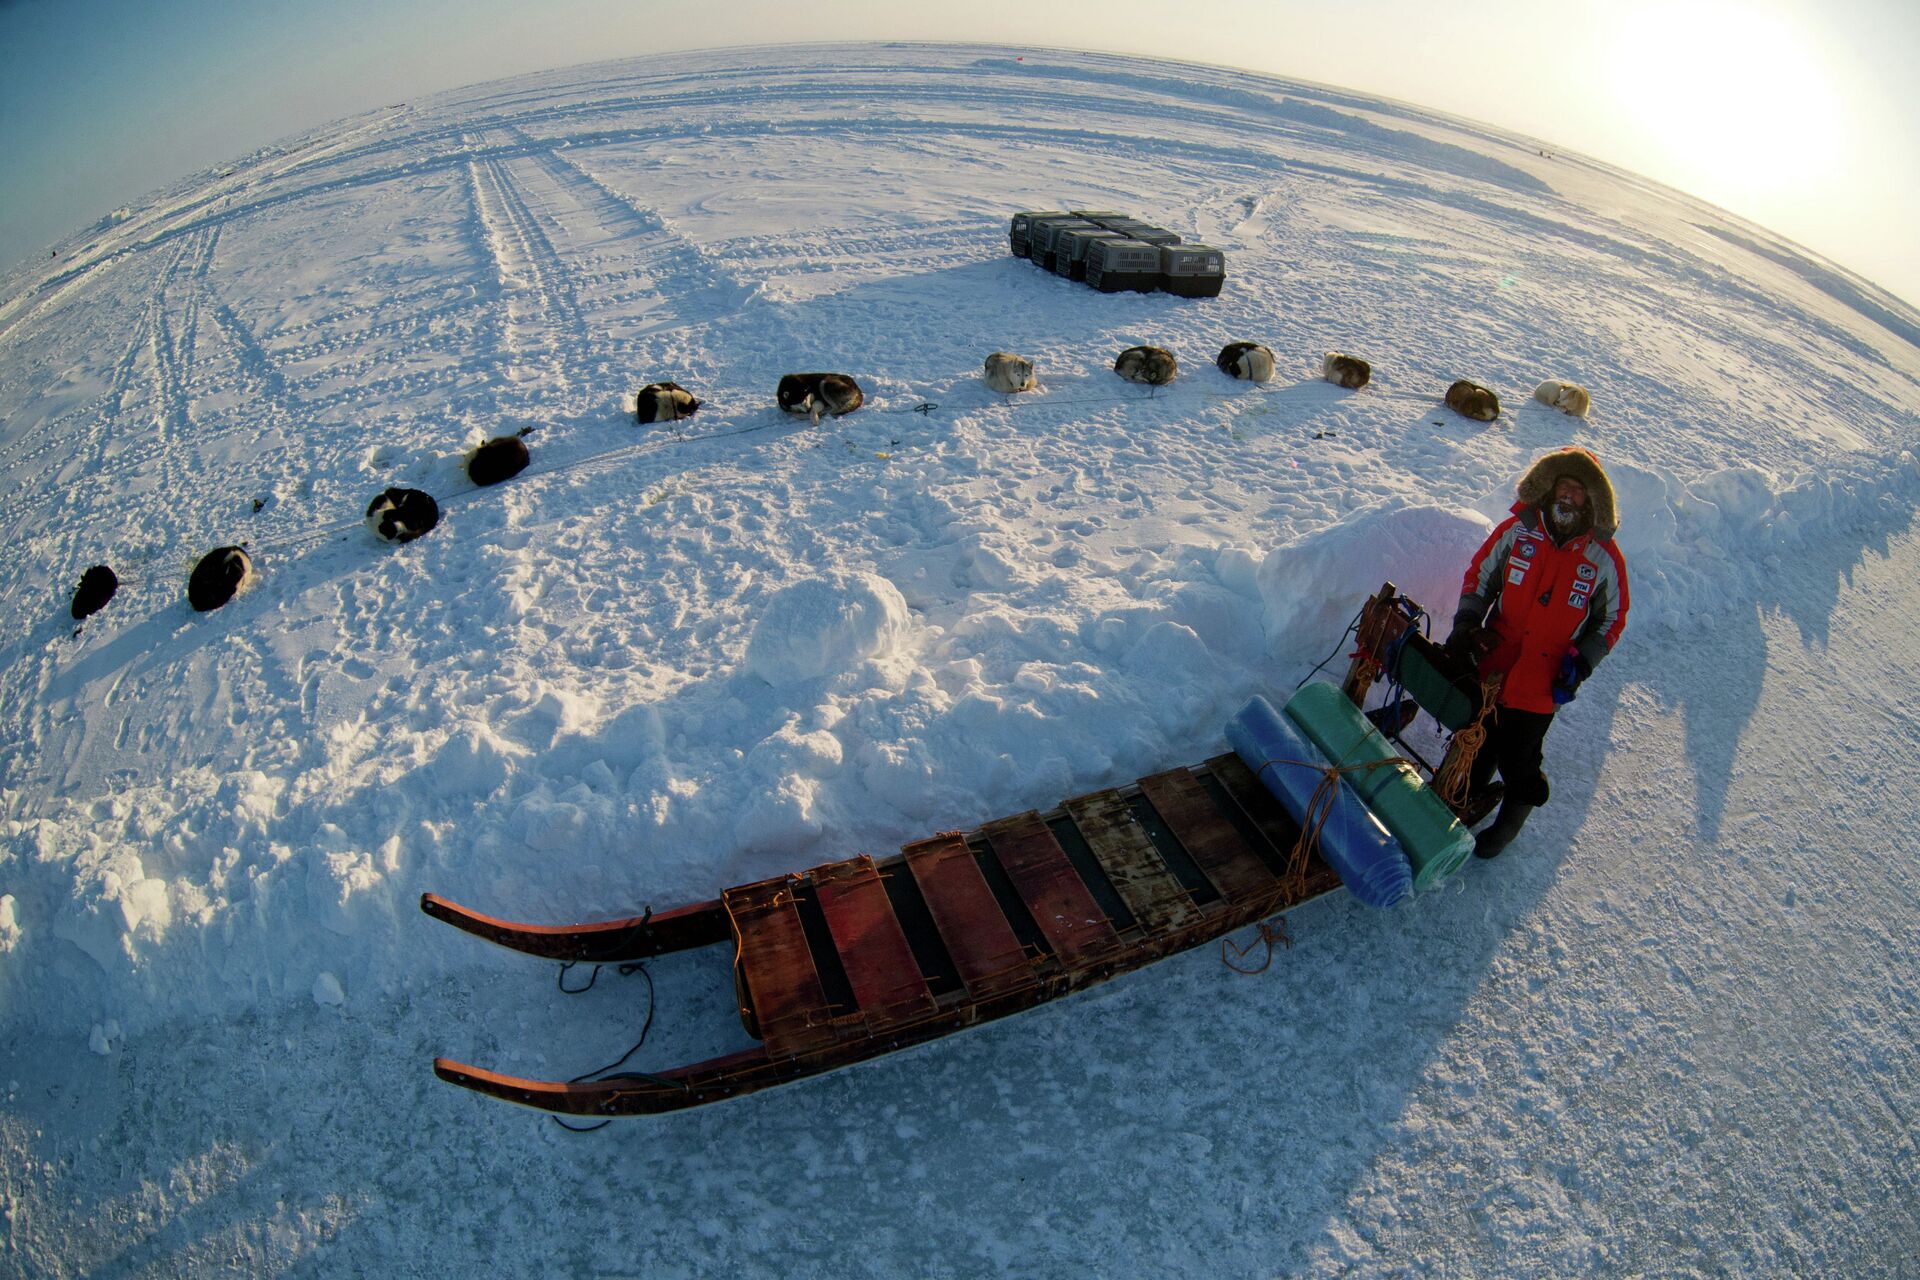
<point>857,958</point>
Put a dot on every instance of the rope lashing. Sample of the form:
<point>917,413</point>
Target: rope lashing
<point>1454,781</point>
<point>1319,809</point>
<point>1267,931</point>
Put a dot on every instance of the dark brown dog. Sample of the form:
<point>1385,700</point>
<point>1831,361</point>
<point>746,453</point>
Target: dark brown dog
<point>1346,371</point>
<point>815,394</point>
<point>500,458</point>
<point>1471,400</point>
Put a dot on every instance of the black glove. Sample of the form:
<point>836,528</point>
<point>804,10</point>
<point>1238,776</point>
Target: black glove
<point>1463,640</point>
<point>1573,669</point>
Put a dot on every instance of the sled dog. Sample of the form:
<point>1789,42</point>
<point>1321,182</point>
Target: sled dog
<point>1248,360</point>
<point>219,576</point>
<point>1009,373</point>
<point>97,586</point>
<point>814,394</point>
<point>401,515</point>
<point>663,402</point>
<point>1152,366</point>
<point>1471,400</point>
<point>1346,371</point>
<point>1567,397</point>
<point>500,458</point>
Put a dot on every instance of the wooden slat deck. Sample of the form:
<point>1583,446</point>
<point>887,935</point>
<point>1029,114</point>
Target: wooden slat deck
<point>1183,804</point>
<point>1059,902</point>
<point>1124,852</point>
<point>777,966</point>
<point>873,948</point>
<point>989,957</point>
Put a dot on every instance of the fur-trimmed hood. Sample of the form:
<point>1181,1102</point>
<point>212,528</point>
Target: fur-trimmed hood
<point>1536,486</point>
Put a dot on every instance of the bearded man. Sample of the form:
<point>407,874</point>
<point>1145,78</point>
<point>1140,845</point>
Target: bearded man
<point>1556,586</point>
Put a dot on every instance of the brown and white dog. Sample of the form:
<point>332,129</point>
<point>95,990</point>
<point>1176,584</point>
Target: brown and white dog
<point>220,575</point>
<point>663,402</point>
<point>1151,366</point>
<point>401,515</point>
<point>1247,360</point>
<point>1471,400</point>
<point>500,458</point>
<point>814,394</point>
<point>1345,371</point>
<point>1009,373</point>
<point>1568,397</point>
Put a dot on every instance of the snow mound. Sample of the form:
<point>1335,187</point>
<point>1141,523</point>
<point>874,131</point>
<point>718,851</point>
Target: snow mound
<point>826,626</point>
<point>1312,586</point>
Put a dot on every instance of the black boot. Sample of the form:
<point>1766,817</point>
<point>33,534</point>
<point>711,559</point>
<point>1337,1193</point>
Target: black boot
<point>1497,837</point>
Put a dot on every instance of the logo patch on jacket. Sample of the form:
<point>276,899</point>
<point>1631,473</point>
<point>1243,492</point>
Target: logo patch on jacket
<point>1577,598</point>
<point>1525,549</point>
<point>1517,574</point>
<point>1587,573</point>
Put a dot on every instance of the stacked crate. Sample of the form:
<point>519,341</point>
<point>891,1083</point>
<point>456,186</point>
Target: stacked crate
<point>1114,252</point>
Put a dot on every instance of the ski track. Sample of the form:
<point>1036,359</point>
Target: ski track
<point>1661,1040</point>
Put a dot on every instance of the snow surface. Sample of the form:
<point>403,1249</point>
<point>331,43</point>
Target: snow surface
<point>1672,1032</point>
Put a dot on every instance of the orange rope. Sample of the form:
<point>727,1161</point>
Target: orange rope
<point>1319,809</point>
<point>1267,931</point>
<point>1455,779</point>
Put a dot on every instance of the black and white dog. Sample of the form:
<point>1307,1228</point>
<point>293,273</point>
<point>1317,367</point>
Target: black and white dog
<point>401,515</point>
<point>221,574</point>
<point>663,402</point>
<point>814,394</point>
<point>1247,360</point>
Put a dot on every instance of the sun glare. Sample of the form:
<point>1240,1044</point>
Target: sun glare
<point>1735,96</point>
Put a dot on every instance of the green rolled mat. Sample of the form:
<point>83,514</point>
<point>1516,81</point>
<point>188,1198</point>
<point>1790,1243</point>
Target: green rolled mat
<point>1435,841</point>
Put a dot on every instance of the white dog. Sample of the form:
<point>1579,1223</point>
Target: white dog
<point>1567,397</point>
<point>1009,373</point>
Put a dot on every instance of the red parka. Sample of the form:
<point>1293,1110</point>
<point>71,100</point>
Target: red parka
<point>1546,597</point>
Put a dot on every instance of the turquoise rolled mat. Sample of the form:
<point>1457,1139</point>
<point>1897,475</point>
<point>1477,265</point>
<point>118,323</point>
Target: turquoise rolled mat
<point>1435,841</point>
<point>1353,841</point>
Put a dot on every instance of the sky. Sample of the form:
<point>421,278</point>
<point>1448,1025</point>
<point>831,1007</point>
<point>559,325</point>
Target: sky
<point>1798,115</point>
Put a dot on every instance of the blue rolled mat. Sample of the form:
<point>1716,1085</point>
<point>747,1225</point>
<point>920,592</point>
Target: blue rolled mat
<point>1370,861</point>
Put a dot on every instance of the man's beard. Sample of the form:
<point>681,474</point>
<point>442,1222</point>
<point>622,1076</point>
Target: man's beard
<point>1566,519</point>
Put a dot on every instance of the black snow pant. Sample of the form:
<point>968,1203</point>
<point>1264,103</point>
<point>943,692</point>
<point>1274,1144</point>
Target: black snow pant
<point>1513,746</point>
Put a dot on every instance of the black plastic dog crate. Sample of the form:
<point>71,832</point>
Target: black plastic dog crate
<point>1135,229</point>
<point>1043,234</point>
<point>1192,270</point>
<point>1070,246</point>
<point>1017,230</point>
<point>1118,264</point>
<point>1103,216</point>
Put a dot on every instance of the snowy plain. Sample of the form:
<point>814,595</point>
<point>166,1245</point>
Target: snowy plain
<point>1671,1032</point>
